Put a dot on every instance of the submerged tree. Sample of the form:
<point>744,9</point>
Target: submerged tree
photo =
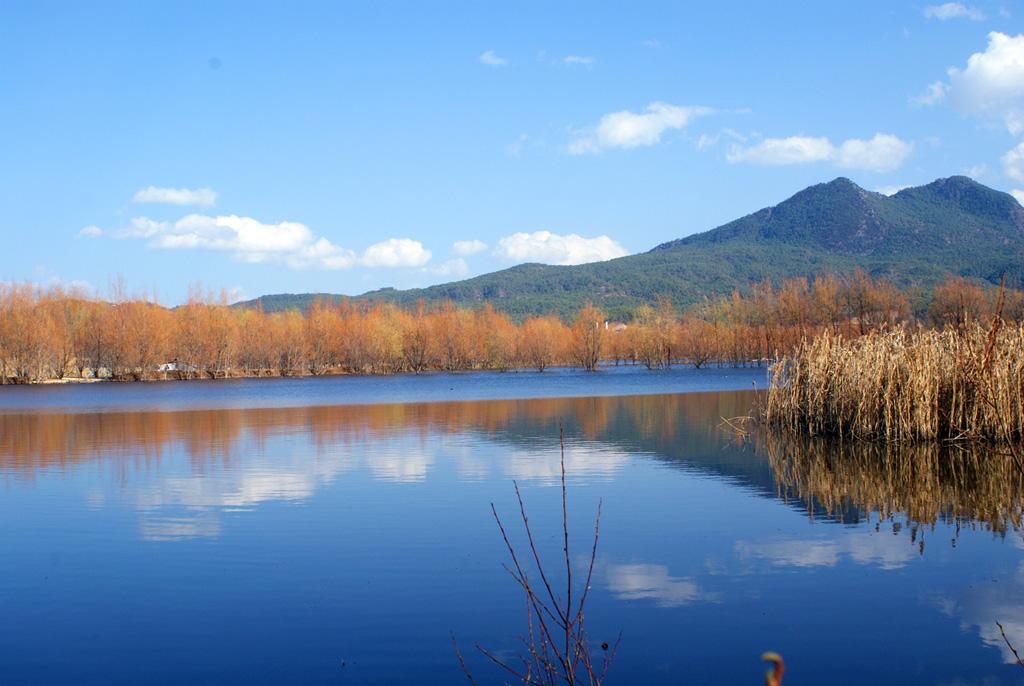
<point>587,336</point>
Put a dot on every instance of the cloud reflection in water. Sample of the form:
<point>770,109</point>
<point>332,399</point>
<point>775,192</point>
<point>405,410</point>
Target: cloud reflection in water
<point>652,582</point>
<point>984,603</point>
<point>866,548</point>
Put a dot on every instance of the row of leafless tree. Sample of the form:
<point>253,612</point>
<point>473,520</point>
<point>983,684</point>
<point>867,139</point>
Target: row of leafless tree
<point>773,319</point>
<point>54,333</point>
<point>58,333</point>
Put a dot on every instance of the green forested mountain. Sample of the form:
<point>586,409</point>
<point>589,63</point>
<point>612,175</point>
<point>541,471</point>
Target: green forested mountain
<point>914,238</point>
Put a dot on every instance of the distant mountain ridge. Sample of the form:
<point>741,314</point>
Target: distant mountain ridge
<point>841,217</point>
<point>915,237</point>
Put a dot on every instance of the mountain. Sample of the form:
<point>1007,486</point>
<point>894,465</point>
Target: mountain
<point>943,218</point>
<point>914,238</point>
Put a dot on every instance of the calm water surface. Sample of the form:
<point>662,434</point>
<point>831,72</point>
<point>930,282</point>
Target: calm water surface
<point>338,530</point>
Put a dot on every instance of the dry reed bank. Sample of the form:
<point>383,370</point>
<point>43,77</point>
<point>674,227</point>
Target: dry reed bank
<point>901,384</point>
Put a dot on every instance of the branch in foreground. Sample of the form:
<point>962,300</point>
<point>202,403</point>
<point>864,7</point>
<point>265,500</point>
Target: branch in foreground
<point>556,648</point>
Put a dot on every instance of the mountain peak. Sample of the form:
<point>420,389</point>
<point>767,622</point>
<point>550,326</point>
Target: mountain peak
<point>840,217</point>
<point>965,197</point>
<point>837,191</point>
<point>842,181</point>
<point>951,187</point>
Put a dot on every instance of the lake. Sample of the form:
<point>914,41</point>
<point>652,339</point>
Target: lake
<point>339,530</point>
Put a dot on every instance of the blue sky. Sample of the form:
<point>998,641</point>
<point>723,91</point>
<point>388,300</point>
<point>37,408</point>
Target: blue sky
<point>346,146</point>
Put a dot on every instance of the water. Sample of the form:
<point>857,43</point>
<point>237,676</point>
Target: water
<point>349,390</point>
<point>289,531</point>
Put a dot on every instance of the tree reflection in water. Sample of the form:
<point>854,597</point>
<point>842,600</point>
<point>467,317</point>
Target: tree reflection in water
<point>963,485</point>
<point>40,441</point>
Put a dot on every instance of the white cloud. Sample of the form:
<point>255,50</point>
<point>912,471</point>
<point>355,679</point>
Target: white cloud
<point>467,248</point>
<point>251,239</point>
<point>628,130</point>
<point>890,190</point>
<point>396,252</point>
<point>140,227</point>
<point>455,267</point>
<point>512,149</point>
<point>549,248</point>
<point>953,10</point>
<point>289,243</point>
<point>882,153</point>
<point>321,254</point>
<point>1013,163</point>
<point>83,286</point>
<point>706,141</point>
<point>90,231</point>
<point>1019,195</point>
<point>235,294</point>
<point>202,197</point>
<point>777,151</point>
<point>936,93</point>
<point>577,61</point>
<point>977,171</point>
<point>992,84</point>
<point>492,60</point>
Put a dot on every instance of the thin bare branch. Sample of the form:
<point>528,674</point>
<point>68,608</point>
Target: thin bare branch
<point>556,648</point>
<point>1008,645</point>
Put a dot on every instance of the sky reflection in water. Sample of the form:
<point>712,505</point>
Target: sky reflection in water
<point>337,543</point>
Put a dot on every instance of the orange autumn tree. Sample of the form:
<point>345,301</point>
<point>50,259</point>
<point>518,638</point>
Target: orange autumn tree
<point>586,337</point>
<point>26,333</point>
<point>68,311</point>
<point>828,303</point>
<point>384,338</point>
<point>291,349</point>
<point>654,334</point>
<point>419,346</point>
<point>323,328</point>
<point>698,341</point>
<point>455,332</point>
<point>873,302</point>
<point>138,333</point>
<point>258,342</point>
<point>500,339</point>
<point>543,341</point>
<point>957,302</point>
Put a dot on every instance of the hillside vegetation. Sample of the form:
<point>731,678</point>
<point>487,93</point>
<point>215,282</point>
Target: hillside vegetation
<point>915,239</point>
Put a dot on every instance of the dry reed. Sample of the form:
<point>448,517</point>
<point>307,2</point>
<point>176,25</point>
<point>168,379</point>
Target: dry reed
<point>897,385</point>
<point>905,396</point>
